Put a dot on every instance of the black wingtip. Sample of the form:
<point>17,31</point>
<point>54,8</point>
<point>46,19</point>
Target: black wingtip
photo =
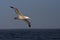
<point>11,7</point>
<point>29,26</point>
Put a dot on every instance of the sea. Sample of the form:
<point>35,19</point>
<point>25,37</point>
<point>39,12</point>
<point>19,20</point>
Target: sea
<point>30,34</point>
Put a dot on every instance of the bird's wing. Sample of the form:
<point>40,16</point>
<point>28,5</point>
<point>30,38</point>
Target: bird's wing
<point>27,21</point>
<point>16,10</point>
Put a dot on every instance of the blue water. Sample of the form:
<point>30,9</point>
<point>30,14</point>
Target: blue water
<point>30,34</point>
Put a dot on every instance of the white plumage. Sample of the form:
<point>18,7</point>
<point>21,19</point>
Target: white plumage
<point>20,16</point>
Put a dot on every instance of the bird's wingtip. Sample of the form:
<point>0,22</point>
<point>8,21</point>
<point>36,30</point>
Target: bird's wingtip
<point>11,7</point>
<point>29,26</point>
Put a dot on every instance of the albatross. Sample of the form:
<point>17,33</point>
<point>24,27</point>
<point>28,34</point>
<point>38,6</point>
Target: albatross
<point>20,16</point>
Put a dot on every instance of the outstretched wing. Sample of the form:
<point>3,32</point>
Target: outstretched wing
<point>27,21</point>
<point>16,10</point>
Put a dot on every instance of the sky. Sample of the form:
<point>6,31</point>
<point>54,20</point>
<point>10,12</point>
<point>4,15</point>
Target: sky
<point>44,14</point>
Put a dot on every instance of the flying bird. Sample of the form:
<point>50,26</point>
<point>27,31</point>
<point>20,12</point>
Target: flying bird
<point>20,16</point>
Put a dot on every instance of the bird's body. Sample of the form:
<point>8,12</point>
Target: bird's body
<point>23,17</point>
<point>20,16</point>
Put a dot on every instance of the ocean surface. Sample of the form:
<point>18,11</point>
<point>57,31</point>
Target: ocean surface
<point>30,34</point>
